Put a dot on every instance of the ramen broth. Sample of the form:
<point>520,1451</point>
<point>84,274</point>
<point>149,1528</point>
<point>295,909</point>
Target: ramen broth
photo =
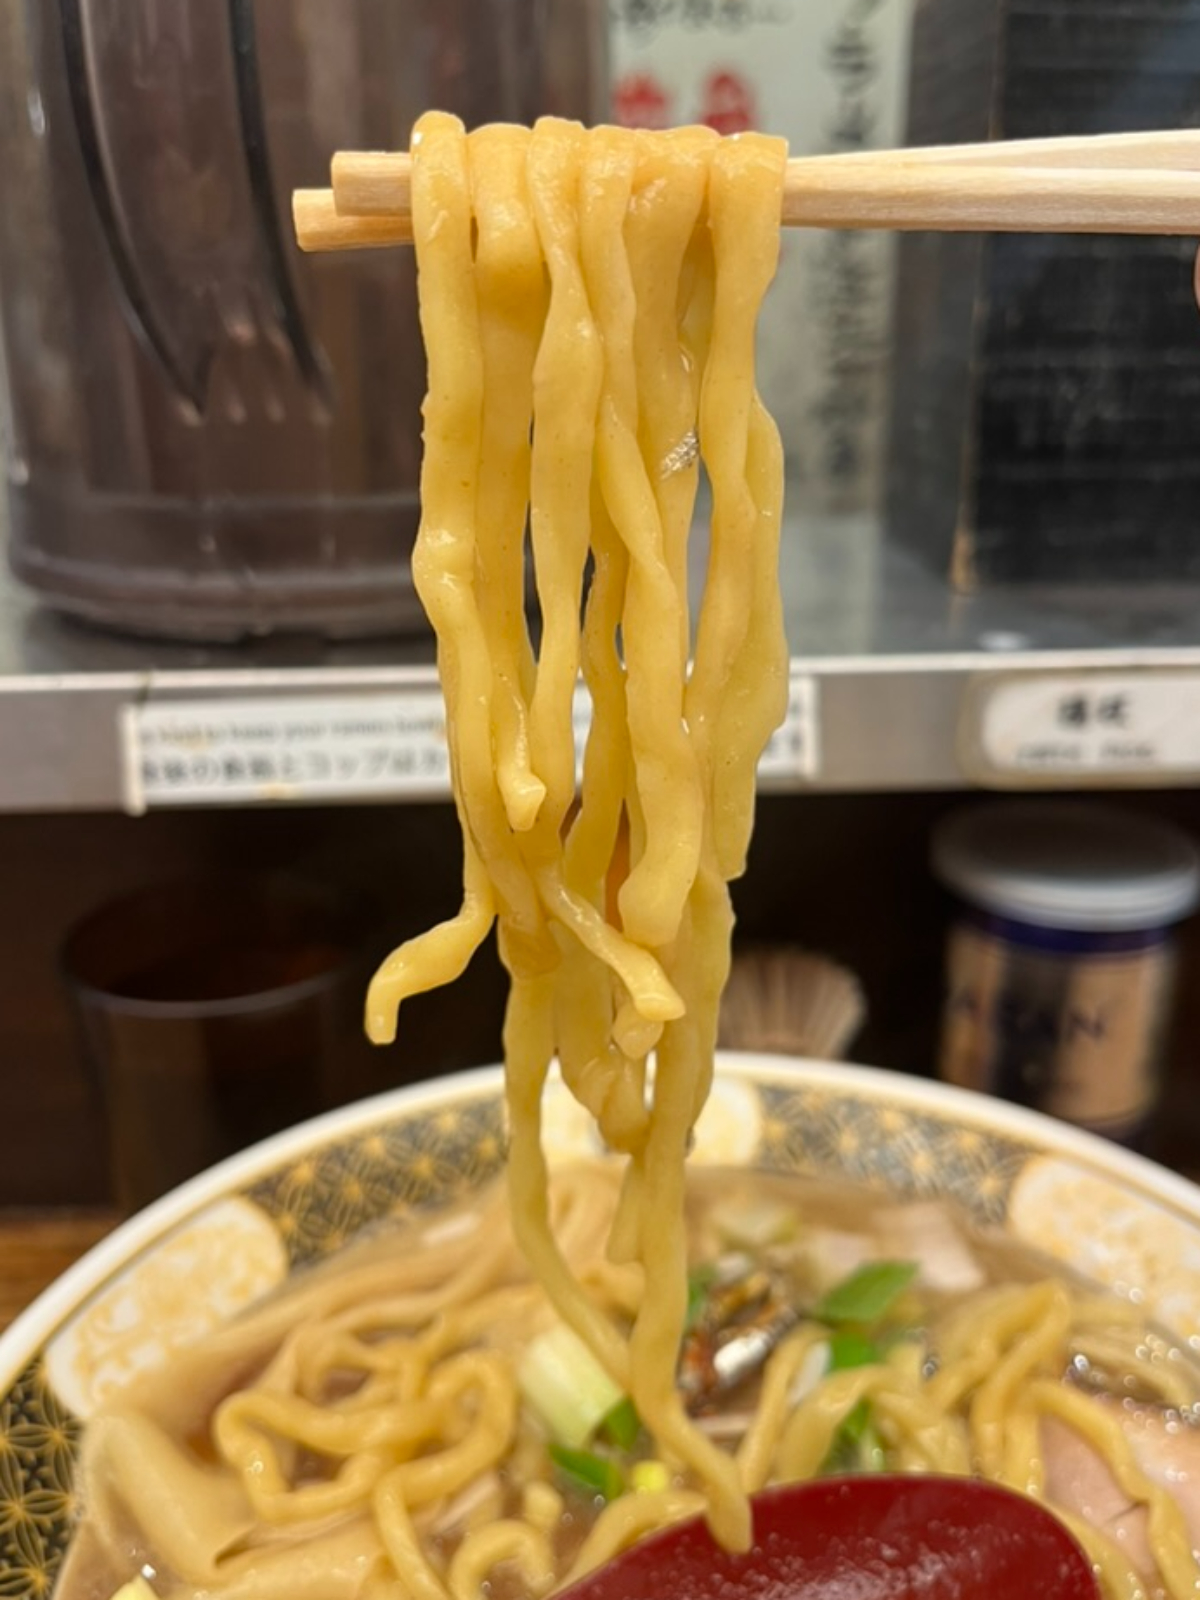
<point>770,1257</point>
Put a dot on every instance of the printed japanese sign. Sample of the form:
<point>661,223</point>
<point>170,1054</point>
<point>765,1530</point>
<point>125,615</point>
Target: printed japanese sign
<point>1084,726</point>
<point>829,76</point>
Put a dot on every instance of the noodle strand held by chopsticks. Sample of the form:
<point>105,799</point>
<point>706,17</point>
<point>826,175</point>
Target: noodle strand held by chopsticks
<point>653,896</point>
<point>510,290</point>
<point>566,394</point>
<point>528,1034</point>
<point>745,181</point>
<point>666,236</point>
<point>602,321</point>
<point>437,957</point>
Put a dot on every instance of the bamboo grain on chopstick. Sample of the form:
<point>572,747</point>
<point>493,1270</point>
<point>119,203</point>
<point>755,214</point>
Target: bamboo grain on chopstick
<point>320,226</point>
<point>995,199</point>
<point>1123,183</point>
<point>370,182</point>
<point>375,183</point>
<point>1176,150</point>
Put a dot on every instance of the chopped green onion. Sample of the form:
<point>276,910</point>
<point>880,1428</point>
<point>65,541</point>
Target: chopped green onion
<point>566,1386</point>
<point>866,1294</point>
<point>871,1456</point>
<point>842,1456</point>
<point>848,1349</point>
<point>856,1446</point>
<point>622,1426</point>
<point>589,1473</point>
<point>856,1422</point>
<point>700,1281</point>
<point>136,1589</point>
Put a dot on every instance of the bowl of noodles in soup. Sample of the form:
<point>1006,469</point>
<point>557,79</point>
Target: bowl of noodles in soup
<point>323,1369</point>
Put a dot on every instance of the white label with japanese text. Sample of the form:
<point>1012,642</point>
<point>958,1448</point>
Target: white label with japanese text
<point>1091,724</point>
<point>828,76</point>
<point>388,744</point>
<point>286,747</point>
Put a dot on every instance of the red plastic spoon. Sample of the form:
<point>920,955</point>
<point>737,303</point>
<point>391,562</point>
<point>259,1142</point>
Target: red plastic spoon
<point>868,1538</point>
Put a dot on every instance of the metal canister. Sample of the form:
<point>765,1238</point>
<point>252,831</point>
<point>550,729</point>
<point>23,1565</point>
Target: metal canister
<point>1060,961</point>
<point>205,434</point>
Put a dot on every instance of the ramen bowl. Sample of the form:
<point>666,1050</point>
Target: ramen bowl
<point>222,1241</point>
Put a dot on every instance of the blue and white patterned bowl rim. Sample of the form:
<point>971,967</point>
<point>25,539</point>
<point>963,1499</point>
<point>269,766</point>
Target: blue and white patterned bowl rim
<point>1014,1126</point>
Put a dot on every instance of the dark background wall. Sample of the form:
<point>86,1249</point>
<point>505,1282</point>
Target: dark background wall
<point>844,875</point>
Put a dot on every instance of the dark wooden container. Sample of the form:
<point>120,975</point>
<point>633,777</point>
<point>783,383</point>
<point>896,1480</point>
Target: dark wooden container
<point>1046,419</point>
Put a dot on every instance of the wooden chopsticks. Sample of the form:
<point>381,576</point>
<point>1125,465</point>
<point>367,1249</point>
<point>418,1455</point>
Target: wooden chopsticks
<point>1139,183</point>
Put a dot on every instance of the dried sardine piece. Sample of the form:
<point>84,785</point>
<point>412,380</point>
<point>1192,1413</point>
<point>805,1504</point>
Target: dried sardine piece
<point>743,1320</point>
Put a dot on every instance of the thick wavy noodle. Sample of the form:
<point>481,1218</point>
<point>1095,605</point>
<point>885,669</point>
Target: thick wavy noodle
<point>367,1434</point>
<point>606,312</point>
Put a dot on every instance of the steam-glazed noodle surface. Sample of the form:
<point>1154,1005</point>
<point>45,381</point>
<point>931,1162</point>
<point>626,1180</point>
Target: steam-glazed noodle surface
<point>589,303</point>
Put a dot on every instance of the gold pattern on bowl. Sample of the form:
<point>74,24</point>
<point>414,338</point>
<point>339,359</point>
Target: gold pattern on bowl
<point>39,1439</point>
